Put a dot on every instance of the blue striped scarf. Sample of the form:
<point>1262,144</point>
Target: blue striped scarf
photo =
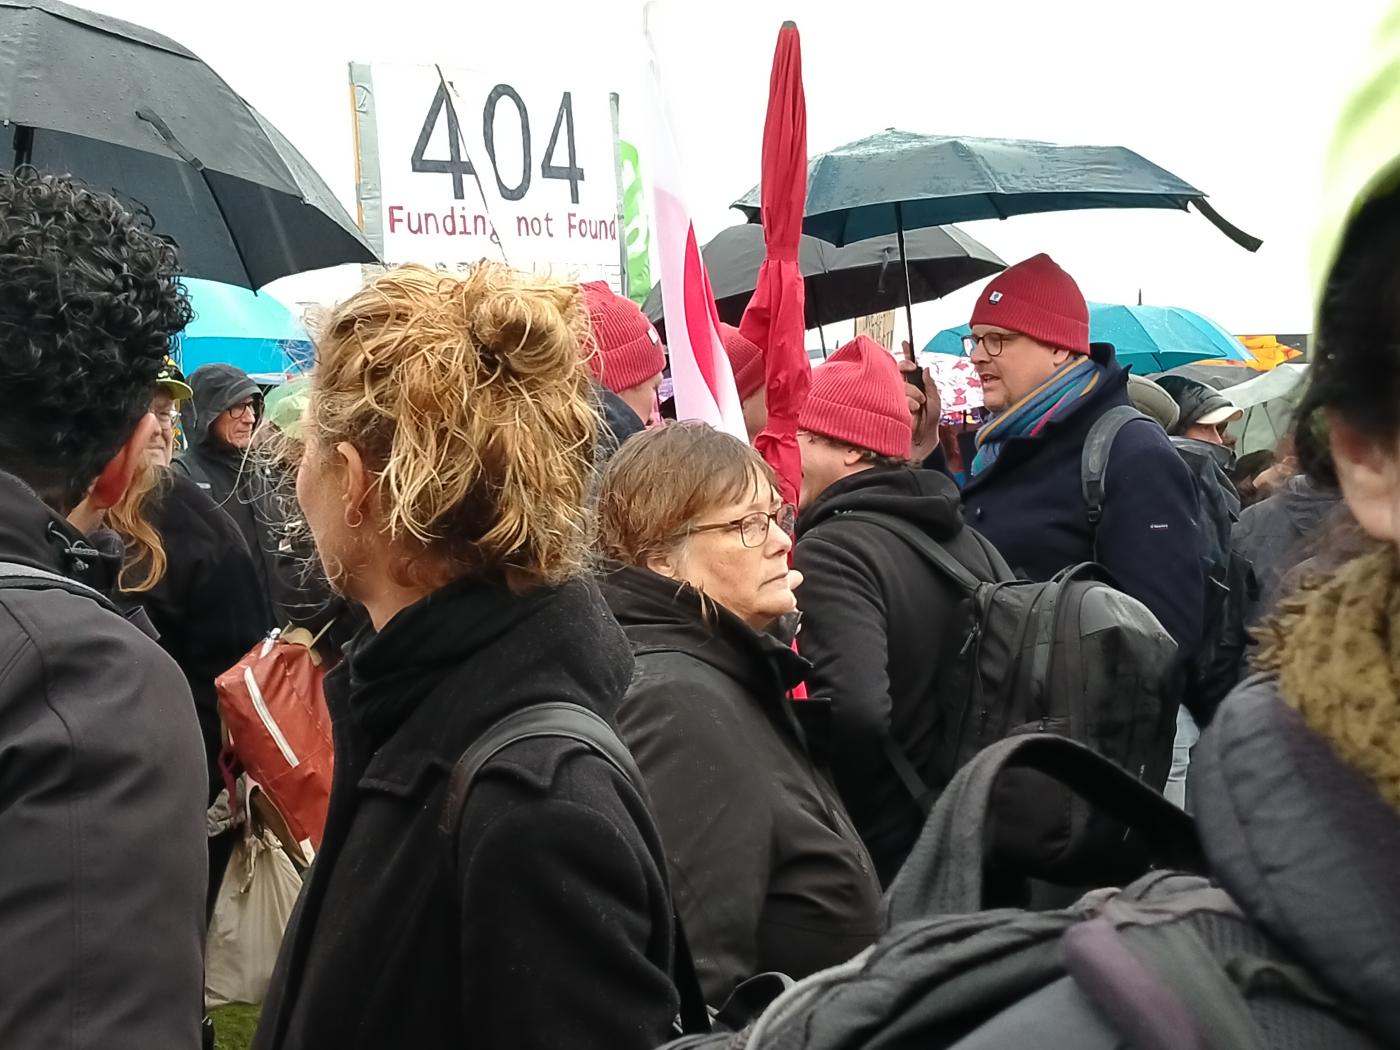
<point>1027,417</point>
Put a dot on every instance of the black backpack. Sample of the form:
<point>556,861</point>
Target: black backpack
<point>1230,587</point>
<point>1170,962</point>
<point>1071,656</point>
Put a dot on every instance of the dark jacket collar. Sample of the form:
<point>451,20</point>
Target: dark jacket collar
<point>658,613</point>
<point>448,667</point>
<point>34,534</point>
<point>1306,845</point>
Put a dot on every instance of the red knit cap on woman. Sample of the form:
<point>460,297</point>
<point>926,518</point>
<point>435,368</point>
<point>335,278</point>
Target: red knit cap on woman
<point>628,348</point>
<point>745,360</point>
<point>1038,299</point>
<point>858,397</point>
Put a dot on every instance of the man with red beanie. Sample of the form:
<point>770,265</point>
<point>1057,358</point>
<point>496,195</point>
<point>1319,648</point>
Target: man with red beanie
<point>627,359</point>
<point>746,362</point>
<point>879,624</point>
<point>1046,386</point>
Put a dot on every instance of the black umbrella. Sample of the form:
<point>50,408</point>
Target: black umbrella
<point>861,278</point>
<point>134,113</point>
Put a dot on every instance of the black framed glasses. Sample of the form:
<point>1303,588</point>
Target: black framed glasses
<point>251,407</point>
<point>753,528</point>
<point>993,342</point>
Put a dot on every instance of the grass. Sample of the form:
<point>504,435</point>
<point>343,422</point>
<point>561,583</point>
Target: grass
<point>234,1026</point>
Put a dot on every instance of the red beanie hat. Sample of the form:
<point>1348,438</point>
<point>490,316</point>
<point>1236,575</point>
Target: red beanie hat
<point>745,359</point>
<point>629,350</point>
<point>1038,299</point>
<point>858,396</point>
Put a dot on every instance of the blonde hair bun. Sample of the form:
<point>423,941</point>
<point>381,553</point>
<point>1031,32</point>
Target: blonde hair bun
<point>469,401</point>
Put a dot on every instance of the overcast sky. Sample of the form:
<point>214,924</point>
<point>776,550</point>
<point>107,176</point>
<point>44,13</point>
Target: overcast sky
<point>1235,96</point>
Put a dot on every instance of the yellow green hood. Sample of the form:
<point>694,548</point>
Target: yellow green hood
<point>1364,161</point>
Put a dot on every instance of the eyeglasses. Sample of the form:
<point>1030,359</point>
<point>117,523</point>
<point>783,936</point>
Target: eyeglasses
<point>993,342</point>
<point>168,418</point>
<point>248,407</point>
<point>753,528</point>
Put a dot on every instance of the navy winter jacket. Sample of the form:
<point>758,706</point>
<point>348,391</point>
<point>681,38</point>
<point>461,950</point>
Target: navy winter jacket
<point>1030,504</point>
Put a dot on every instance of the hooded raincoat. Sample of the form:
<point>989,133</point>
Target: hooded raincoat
<point>227,474</point>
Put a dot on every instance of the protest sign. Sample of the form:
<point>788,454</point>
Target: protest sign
<point>456,165</point>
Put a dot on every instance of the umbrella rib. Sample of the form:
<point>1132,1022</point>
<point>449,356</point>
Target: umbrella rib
<point>163,129</point>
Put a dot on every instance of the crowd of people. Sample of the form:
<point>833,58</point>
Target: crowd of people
<point>485,501</point>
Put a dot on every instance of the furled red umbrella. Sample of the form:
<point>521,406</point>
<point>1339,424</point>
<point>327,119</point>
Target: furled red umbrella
<point>775,317</point>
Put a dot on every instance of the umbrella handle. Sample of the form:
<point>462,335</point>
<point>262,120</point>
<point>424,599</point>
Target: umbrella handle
<point>904,265</point>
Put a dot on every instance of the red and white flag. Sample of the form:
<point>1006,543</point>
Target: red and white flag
<point>700,372</point>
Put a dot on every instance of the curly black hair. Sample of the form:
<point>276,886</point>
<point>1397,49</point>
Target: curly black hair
<point>88,305</point>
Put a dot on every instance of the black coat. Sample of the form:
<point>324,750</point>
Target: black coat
<point>768,872</point>
<point>882,628</point>
<point>1030,504</point>
<point>207,607</point>
<point>1306,845</point>
<point>548,924</point>
<point>102,827</point>
<point>619,422</point>
<point>231,478</point>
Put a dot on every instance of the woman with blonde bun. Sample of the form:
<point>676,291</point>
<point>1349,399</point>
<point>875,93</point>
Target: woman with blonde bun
<point>449,441</point>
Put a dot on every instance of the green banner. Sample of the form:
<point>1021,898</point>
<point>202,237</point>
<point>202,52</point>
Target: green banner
<point>637,231</point>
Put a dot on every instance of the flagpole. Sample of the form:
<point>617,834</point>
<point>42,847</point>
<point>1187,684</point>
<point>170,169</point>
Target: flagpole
<point>624,277</point>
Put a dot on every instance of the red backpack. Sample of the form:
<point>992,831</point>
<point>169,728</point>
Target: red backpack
<point>273,706</point>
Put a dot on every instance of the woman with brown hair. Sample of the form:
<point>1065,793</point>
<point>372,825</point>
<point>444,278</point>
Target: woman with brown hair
<point>448,443</point>
<point>769,874</point>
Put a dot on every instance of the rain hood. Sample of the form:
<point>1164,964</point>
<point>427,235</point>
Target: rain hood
<point>216,388</point>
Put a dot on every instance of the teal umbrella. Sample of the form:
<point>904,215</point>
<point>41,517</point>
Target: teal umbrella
<point>898,180</point>
<point>1150,338</point>
<point>235,326</point>
<point>1165,336</point>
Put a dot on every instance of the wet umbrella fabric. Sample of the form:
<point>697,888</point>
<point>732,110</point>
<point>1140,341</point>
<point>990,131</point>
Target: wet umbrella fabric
<point>842,283</point>
<point>134,113</point>
<point>1150,338</point>
<point>897,180</point>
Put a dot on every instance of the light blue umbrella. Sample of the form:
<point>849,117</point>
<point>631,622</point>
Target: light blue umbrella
<point>1150,338</point>
<point>1162,336</point>
<point>250,330</point>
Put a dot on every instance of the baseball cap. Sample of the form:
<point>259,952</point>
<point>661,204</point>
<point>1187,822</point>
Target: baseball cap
<point>172,381</point>
<point>1199,403</point>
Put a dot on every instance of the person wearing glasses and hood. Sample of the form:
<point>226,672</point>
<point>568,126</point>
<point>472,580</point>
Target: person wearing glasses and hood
<point>228,407</point>
<point>768,872</point>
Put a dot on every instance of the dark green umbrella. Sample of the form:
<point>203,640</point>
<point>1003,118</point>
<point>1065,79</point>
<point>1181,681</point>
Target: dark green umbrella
<point>901,180</point>
<point>862,278</point>
<point>897,181</point>
<point>133,113</point>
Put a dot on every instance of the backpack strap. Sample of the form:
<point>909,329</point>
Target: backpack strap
<point>1159,984</point>
<point>945,871</point>
<point>572,722</point>
<point>1093,464</point>
<point>965,580</point>
<point>15,576</point>
<point>932,551</point>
